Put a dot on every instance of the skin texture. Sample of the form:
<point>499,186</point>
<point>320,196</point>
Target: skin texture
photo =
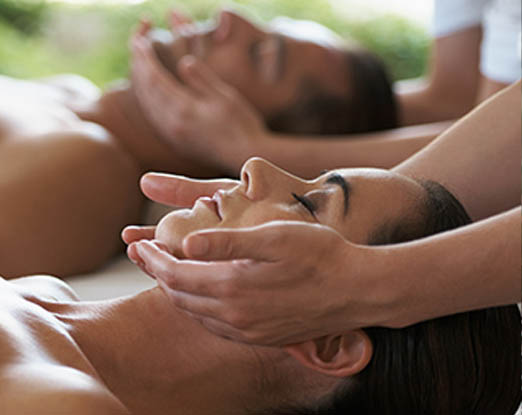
<point>380,285</point>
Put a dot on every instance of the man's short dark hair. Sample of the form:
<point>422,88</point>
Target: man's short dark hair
<point>369,106</point>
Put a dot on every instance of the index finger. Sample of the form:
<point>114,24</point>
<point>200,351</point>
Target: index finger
<point>136,233</point>
<point>190,277</point>
<point>180,191</point>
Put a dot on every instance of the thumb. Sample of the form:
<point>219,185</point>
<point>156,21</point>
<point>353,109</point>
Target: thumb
<point>269,242</point>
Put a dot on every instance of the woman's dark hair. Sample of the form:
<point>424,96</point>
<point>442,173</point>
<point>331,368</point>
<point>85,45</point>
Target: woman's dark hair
<point>465,364</point>
<point>369,106</point>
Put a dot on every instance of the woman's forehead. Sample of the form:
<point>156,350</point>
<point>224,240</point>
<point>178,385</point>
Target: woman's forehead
<point>366,178</point>
<point>363,173</point>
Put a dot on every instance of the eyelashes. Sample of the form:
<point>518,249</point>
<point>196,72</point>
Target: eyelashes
<point>307,203</point>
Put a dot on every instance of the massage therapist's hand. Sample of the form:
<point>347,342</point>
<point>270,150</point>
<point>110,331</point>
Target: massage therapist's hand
<point>170,190</point>
<point>199,115</point>
<point>276,284</point>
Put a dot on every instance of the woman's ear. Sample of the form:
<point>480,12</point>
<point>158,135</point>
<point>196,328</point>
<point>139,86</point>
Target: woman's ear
<point>339,355</point>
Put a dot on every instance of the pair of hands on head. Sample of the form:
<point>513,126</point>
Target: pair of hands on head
<point>199,115</point>
<point>233,291</point>
<point>275,284</point>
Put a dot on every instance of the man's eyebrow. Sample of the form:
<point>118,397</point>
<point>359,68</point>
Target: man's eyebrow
<point>336,178</point>
<point>281,56</point>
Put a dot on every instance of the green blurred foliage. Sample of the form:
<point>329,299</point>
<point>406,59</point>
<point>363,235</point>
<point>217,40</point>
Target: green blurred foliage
<point>24,15</point>
<point>92,40</point>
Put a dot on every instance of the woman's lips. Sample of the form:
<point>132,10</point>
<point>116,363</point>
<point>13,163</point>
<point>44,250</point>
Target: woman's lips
<point>218,198</point>
<point>211,204</point>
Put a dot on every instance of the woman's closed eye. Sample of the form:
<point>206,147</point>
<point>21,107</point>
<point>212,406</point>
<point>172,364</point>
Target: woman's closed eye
<point>307,203</point>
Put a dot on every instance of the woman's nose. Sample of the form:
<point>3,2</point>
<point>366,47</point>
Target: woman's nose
<point>262,179</point>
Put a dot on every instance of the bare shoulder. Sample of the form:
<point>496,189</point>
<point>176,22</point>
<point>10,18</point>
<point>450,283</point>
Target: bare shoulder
<point>44,286</point>
<point>54,390</point>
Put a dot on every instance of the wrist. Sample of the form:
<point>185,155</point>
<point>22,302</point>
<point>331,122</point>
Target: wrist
<point>403,291</point>
<point>389,284</point>
<point>374,285</point>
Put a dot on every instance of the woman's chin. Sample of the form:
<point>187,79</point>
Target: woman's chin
<point>171,232</point>
<point>174,227</point>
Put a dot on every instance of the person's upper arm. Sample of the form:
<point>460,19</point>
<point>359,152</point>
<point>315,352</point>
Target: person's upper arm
<point>451,88</point>
<point>457,29</point>
<point>478,159</point>
<point>455,66</point>
<point>453,77</point>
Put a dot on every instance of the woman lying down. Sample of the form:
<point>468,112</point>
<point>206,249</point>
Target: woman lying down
<point>140,355</point>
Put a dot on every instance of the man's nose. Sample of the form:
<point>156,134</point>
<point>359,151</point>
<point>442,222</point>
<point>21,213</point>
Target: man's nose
<point>224,27</point>
<point>232,25</point>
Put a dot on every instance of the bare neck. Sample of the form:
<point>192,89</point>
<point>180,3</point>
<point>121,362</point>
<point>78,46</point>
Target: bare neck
<point>154,359</point>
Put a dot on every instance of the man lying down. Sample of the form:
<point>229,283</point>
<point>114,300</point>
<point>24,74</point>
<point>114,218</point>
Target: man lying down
<point>71,157</point>
<point>140,355</point>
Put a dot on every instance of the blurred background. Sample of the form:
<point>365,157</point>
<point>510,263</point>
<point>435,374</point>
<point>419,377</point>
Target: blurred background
<point>89,37</point>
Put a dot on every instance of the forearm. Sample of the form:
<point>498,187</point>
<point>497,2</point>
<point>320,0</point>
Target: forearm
<point>474,267</point>
<point>428,105</point>
<point>309,156</point>
<point>478,159</point>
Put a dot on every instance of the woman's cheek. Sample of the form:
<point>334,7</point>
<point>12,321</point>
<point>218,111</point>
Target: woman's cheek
<point>264,214</point>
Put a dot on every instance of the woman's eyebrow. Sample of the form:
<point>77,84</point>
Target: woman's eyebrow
<point>337,179</point>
